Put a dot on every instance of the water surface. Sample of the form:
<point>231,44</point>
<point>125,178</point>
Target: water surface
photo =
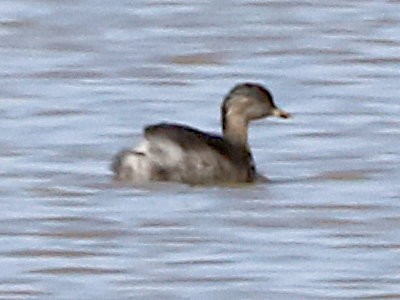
<point>80,79</point>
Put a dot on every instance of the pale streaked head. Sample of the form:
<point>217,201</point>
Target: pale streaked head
<point>250,101</point>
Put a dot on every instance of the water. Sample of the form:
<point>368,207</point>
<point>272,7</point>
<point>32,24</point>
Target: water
<point>79,80</point>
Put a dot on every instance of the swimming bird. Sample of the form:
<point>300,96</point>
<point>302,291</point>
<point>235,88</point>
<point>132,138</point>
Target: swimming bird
<point>175,152</point>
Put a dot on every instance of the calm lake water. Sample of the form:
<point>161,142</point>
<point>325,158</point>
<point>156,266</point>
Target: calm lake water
<point>80,79</point>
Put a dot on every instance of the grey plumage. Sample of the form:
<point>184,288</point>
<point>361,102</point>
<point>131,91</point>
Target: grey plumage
<point>174,152</point>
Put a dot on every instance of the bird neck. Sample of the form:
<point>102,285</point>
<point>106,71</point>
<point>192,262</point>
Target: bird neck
<point>235,128</point>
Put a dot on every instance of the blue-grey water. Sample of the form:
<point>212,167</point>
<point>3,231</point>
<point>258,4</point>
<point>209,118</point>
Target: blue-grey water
<point>80,79</point>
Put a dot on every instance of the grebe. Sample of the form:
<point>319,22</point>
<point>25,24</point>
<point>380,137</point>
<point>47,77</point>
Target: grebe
<point>173,152</point>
